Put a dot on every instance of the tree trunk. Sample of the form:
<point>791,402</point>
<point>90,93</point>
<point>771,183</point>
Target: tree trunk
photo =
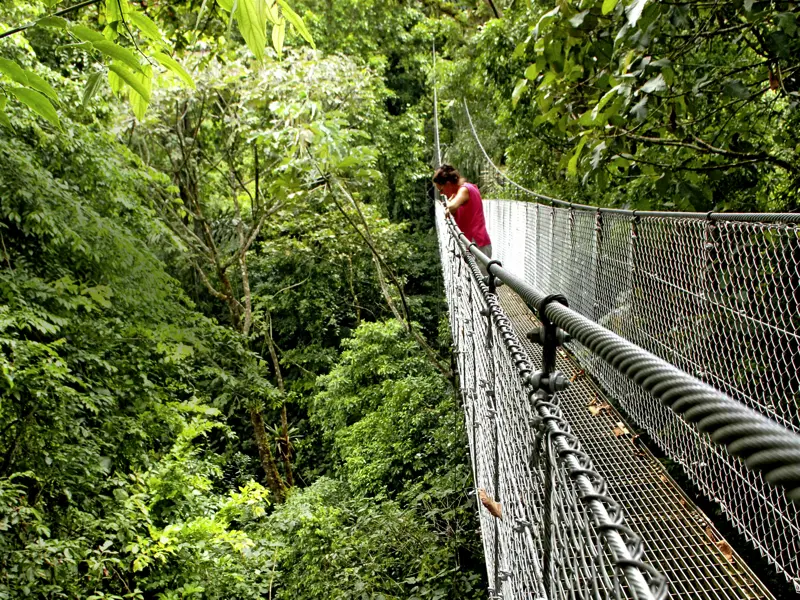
<point>274,482</point>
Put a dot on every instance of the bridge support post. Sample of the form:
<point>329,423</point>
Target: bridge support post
<point>545,384</point>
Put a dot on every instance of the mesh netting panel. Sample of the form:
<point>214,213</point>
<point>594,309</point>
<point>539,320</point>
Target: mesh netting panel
<point>717,299</point>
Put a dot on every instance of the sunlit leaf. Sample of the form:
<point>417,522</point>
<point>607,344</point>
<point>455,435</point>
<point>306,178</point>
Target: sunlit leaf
<point>117,10</point>
<point>139,101</point>
<point>226,4</point>
<point>278,35</point>
<point>175,67</point>
<point>37,103</point>
<point>634,11</point>
<point>251,15</point>
<point>85,34</point>
<point>13,71</point>
<point>609,5</point>
<point>119,53</point>
<point>146,26</point>
<point>572,165</point>
<point>297,22</point>
<point>116,82</point>
<point>273,14</point>
<point>656,84</point>
<point>532,72</point>
<point>131,79</point>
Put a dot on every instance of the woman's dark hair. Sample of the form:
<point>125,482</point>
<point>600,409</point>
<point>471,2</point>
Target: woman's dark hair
<point>446,174</point>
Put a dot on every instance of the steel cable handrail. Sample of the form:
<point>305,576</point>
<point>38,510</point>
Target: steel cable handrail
<point>713,216</point>
<point>763,445</point>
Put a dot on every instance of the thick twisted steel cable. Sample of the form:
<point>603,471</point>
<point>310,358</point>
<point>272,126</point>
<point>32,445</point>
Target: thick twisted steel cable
<point>714,216</point>
<point>626,546</point>
<point>762,444</point>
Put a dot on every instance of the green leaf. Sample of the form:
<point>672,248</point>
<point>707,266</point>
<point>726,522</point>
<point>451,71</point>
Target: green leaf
<point>656,84</point>
<point>116,82</point>
<point>139,101</point>
<point>273,14</point>
<point>173,65</point>
<point>37,103</point>
<point>572,165</point>
<point>3,116</point>
<point>578,19</point>
<point>92,85</point>
<point>603,101</point>
<point>13,70</point>
<point>518,89</point>
<point>117,10</point>
<point>226,4</point>
<point>251,15</point>
<point>608,6</point>
<point>278,35</point>
<point>146,26</point>
<point>544,20</point>
<point>532,72</point>
<point>41,85</point>
<point>634,11</point>
<point>55,22</point>
<point>297,22</point>
<point>131,79</point>
<point>119,53</point>
<point>85,34</point>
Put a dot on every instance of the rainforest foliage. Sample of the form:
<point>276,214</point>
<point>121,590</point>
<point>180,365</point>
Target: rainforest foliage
<point>648,105</point>
<point>223,338</point>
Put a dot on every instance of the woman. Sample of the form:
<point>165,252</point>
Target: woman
<point>464,203</point>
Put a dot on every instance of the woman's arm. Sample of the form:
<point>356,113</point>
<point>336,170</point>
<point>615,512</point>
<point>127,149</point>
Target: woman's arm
<point>461,197</point>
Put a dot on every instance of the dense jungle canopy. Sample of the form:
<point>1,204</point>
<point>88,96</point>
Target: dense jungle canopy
<point>223,337</point>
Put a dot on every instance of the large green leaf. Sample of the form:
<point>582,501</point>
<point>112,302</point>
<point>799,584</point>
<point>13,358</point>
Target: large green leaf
<point>119,53</point>
<point>41,85</point>
<point>175,67</point>
<point>37,103</point>
<point>131,79</point>
<point>85,34</point>
<point>116,82</point>
<point>297,22</point>
<point>54,22</point>
<point>117,10</point>
<point>226,4</point>
<point>273,14</point>
<point>278,35</point>
<point>251,15</point>
<point>146,26</point>
<point>13,70</point>
<point>139,101</point>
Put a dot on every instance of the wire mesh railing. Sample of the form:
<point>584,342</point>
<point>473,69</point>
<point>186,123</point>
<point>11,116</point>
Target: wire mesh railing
<point>715,295</point>
<point>551,530</point>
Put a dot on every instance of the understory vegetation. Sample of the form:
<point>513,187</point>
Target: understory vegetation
<point>223,335</point>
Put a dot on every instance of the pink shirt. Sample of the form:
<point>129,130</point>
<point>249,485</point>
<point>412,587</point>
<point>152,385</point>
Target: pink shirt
<point>469,217</point>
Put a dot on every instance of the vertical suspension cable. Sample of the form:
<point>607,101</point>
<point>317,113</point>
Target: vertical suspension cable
<point>437,148</point>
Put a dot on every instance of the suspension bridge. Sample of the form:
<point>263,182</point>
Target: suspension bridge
<point>612,327</point>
